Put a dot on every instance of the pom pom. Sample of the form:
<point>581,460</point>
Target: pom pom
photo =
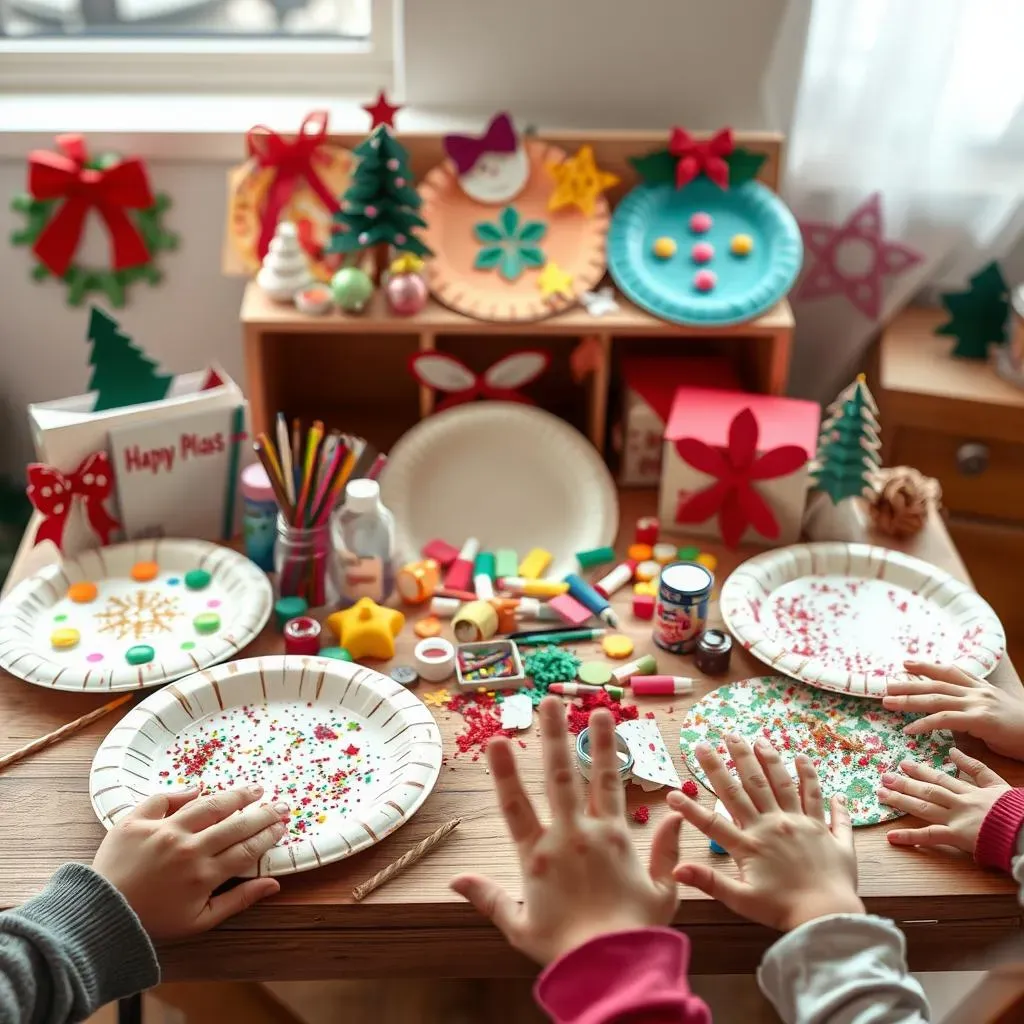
<point>400,239</point>
<point>642,814</point>
<point>370,211</point>
<point>399,182</point>
<point>392,164</point>
<point>900,506</point>
<point>689,787</point>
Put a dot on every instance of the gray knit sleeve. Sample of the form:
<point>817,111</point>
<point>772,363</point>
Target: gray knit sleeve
<point>74,947</point>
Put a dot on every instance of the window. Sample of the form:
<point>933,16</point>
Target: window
<point>322,46</point>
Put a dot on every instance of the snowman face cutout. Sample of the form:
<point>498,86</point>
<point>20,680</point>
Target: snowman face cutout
<point>497,177</point>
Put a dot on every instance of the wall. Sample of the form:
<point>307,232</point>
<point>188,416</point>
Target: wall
<point>565,63</point>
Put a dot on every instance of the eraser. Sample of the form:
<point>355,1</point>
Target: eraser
<point>441,551</point>
<point>643,606</point>
<point>506,562</point>
<point>595,556</point>
<point>569,610</point>
<point>534,565</point>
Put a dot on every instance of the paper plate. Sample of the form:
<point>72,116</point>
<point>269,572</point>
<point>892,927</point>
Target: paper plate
<point>845,617</point>
<point>510,475</point>
<point>160,614</point>
<point>572,240</point>
<point>746,285</point>
<point>353,753</point>
<point>850,743</point>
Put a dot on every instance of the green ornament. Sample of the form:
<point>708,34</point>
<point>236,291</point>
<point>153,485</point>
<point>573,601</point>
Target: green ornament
<point>351,289</point>
<point>979,316</point>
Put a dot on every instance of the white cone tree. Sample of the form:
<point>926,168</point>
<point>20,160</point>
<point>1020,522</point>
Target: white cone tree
<point>285,270</point>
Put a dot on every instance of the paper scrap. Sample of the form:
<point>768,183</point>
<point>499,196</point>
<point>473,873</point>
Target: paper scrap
<point>516,711</point>
<point>652,763</point>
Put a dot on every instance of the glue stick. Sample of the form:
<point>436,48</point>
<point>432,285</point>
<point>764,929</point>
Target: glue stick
<point>616,579</point>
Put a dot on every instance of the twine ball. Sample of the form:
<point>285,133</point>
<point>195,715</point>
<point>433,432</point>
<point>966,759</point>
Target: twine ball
<point>900,505</point>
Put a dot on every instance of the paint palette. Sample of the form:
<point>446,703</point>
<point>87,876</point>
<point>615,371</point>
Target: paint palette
<point>132,615</point>
<point>353,753</point>
<point>845,617</point>
<point>703,255</point>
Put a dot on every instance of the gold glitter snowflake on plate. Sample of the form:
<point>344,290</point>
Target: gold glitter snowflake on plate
<point>138,615</point>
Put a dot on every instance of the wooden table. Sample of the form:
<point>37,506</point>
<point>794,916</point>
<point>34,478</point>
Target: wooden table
<point>953,913</point>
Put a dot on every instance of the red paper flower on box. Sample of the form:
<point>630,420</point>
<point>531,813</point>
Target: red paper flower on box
<point>733,497</point>
<point>500,381</point>
<point>52,494</point>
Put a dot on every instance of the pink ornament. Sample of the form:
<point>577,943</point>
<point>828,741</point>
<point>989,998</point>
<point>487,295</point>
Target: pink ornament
<point>406,293</point>
<point>704,280</point>
<point>700,223</point>
<point>392,164</point>
<point>364,237</point>
<point>702,252</point>
<point>399,182</point>
<point>400,239</point>
<point>370,211</point>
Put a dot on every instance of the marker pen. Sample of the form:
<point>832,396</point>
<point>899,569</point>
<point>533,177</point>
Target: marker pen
<point>642,666</point>
<point>590,598</point>
<point>650,686</point>
<point>573,689</point>
<point>532,588</point>
<point>444,607</point>
<point>558,636</point>
<point>461,570</point>
<point>617,578</point>
<point>483,575</point>
<point>531,608</point>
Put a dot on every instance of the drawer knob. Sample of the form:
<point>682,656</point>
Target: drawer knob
<point>972,458</point>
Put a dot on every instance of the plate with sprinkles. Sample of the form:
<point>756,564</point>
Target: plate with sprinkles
<point>850,742</point>
<point>353,753</point>
<point>845,617</point>
<point>132,615</point>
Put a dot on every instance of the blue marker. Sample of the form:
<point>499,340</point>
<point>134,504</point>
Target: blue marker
<point>587,596</point>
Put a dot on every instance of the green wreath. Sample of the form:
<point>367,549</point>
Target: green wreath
<point>82,281</point>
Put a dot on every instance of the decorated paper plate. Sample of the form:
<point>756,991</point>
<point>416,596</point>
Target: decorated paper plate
<point>849,742</point>
<point>665,245</point>
<point>509,475</point>
<point>353,753</point>
<point>132,615</point>
<point>845,617</point>
<point>495,260</point>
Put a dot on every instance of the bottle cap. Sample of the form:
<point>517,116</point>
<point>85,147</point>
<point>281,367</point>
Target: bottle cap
<point>256,483</point>
<point>362,495</point>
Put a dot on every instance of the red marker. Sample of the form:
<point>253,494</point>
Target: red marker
<point>622,574</point>
<point>461,570</point>
<point>651,686</point>
<point>573,689</point>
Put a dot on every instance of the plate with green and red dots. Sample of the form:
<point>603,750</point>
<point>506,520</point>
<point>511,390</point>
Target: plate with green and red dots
<point>704,255</point>
<point>351,752</point>
<point>132,615</point>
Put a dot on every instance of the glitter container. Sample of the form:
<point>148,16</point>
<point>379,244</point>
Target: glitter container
<point>714,648</point>
<point>583,759</point>
<point>682,607</point>
<point>489,665</point>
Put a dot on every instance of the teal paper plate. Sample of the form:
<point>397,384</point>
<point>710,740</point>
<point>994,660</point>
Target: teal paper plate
<point>746,286</point>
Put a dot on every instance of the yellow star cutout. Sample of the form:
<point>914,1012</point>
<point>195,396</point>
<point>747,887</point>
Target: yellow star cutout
<point>554,281</point>
<point>437,698</point>
<point>579,181</point>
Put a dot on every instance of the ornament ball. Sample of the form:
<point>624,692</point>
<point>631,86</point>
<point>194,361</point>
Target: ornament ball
<point>351,289</point>
<point>406,293</point>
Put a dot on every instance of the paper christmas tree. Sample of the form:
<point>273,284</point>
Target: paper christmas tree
<point>848,446</point>
<point>121,371</point>
<point>285,270</point>
<point>979,316</point>
<point>379,206</point>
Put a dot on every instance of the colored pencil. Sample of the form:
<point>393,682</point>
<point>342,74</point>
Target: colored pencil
<point>378,465</point>
<point>237,436</point>
<point>296,448</point>
<point>322,504</point>
<point>410,857</point>
<point>313,439</point>
<point>285,452</point>
<point>267,459</point>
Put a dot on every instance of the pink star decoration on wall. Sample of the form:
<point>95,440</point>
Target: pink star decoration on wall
<point>861,238</point>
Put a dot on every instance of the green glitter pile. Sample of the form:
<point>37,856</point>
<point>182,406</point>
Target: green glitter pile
<point>550,665</point>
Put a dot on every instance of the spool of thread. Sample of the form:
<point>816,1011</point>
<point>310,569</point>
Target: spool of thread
<point>434,658</point>
<point>302,636</point>
<point>474,621</point>
<point>417,581</point>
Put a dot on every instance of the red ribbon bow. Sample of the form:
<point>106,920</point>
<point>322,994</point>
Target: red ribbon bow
<point>52,493</point>
<point>292,160</point>
<point>109,192</point>
<point>696,157</point>
<point>733,496</point>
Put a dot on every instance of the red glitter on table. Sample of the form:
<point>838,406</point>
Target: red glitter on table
<point>483,720</point>
<point>581,707</point>
<point>642,814</point>
<point>689,787</point>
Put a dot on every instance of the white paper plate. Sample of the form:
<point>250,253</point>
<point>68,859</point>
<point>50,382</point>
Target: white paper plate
<point>510,475</point>
<point>845,617</point>
<point>358,746</point>
<point>158,614</point>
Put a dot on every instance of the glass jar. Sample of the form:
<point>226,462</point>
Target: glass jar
<point>306,565</point>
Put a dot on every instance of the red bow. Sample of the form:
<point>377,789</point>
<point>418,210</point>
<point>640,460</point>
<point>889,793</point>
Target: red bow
<point>696,157</point>
<point>732,495</point>
<point>110,192</point>
<point>52,494</point>
<point>465,150</point>
<point>292,160</point>
<point>499,382</point>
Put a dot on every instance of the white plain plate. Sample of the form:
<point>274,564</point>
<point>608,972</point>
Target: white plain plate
<point>511,475</point>
<point>845,617</point>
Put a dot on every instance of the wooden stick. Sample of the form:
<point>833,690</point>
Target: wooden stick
<point>58,734</point>
<point>419,851</point>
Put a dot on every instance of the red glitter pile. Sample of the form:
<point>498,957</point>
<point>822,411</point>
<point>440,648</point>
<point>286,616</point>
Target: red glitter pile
<point>689,787</point>
<point>193,764</point>
<point>324,732</point>
<point>483,720</point>
<point>642,814</point>
<point>580,708</point>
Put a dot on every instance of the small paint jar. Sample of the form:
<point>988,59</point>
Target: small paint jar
<point>714,649</point>
<point>306,564</point>
<point>302,636</point>
<point>682,606</point>
<point>586,763</point>
<point>259,516</point>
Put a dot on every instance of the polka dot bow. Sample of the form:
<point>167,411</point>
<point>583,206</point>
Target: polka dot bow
<point>52,495</point>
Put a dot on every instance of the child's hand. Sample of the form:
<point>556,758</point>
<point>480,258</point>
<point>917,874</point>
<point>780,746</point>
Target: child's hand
<point>581,875</point>
<point>951,699</point>
<point>954,808</point>
<point>172,851</point>
<point>793,866</point>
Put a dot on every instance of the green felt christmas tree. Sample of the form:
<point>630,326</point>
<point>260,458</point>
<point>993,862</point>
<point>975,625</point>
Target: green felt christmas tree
<point>379,206</point>
<point>848,445</point>
<point>979,316</point>
<point>121,372</point>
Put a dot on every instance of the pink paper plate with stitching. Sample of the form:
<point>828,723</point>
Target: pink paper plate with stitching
<point>352,752</point>
<point>845,617</point>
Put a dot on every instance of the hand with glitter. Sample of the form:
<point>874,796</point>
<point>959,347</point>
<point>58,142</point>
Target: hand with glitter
<point>949,698</point>
<point>169,855</point>
<point>794,866</point>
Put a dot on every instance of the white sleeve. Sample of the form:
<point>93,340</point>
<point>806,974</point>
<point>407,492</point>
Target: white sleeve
<point>843,969</point>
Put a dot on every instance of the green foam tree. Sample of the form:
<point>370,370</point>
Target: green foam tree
<point>979,316</point>
<point>848,445</point>
<point>122,374</point>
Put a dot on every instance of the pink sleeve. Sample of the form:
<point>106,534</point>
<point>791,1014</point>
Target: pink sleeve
<point>637,977</point>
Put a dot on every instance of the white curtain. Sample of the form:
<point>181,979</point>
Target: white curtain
<point>923,101</point>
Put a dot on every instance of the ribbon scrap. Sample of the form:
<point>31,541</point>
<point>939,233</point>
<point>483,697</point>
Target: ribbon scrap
<point>110,192</point>
<point>52,494</point>
<point>696,157</point>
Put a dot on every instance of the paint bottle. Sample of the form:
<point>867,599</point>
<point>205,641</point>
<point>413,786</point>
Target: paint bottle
<point>363,530</point>
<point>682,608</point>
<point>259,516</point>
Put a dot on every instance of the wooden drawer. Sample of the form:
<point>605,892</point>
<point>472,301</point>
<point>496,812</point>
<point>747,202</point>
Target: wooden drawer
<point>996,491</point>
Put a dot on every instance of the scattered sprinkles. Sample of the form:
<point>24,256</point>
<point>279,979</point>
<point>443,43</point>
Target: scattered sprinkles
<point>483,720</point>
<point>550,664</point>
<point>579,710</point>
<point>437,698</point>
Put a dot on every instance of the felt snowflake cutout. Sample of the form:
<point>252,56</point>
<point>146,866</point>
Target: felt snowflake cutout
<point>437,698</point>
<point>600,302</point>
<point>579,182</point>
<point>509,245</point>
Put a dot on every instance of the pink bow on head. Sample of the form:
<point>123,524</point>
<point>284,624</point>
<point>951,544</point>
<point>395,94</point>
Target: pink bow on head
<point>465,150</point>
<point>697,157</point>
